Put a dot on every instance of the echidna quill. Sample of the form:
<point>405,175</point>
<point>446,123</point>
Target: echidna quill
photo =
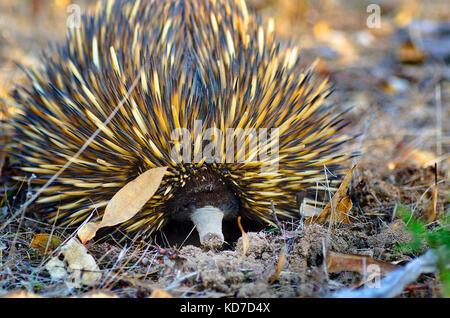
<point>226,107</point>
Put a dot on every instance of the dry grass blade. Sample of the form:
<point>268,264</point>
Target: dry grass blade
<point>245,241</point>
<point>280,265</point>
<point>2,160</point>
<point>430,211</point>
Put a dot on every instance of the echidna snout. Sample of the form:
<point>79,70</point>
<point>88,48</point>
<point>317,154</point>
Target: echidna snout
<point>208,221</point>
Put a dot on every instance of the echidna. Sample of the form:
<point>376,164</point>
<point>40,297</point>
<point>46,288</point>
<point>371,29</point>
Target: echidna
<point>203,65</point>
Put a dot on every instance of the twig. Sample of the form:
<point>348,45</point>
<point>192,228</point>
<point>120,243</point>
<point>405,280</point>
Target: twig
<point>438,120</point>
<point>275,216</point>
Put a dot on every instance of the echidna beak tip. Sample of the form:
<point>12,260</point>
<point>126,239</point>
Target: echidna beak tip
<point>212,240</point>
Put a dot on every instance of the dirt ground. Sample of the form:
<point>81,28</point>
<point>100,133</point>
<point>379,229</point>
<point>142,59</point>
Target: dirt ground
<point>395,77</point>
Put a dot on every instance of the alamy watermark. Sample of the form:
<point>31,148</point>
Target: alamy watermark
<point>231,145</point>
<point>373,276</point>
<point>74,18</point>
<point>374,19</point>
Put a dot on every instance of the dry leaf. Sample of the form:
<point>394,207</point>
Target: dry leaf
<point>409,155</point>
<point>280,266</point>
<point>160,293</point>
<point>393,284</point>
<point>245,242</point>
<point>56,269</point>
<point>81,267</point>
<point>337,40</point>
<point>410,53</point>
<point>394,85</point>
<point>126,202</point>
<point>61,4</point>
<point>344,207</point>
<point>322,30</point>
<point>79,260</point>
<point>407,12</point>
<point>99,294</point>
<point>337,262</point>
<point>88,231</point>
<point>340,206</point>
<point>45,241</point>
<point>423,158</point>
<point>20,294</point>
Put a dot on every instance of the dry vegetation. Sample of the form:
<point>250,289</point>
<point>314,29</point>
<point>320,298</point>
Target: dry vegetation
<point>395,78</point>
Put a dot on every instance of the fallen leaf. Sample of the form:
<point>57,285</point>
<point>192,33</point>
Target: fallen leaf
<point>79,266</point>
<point>61,4</point>
<point>337,262</point>
<point>407,155</point>
<point>20,294</point>
<point>160,293</point>
<point>394,85</point>
<point>391,165</point>
<point>126,202</point>
<point>409,53</point>
<point>45,242</point>
<point>322,30</point>
<point>99,294</point>
<point>245,242</point>
<point>88,231</point>
<point>344,207</point>
<point>407,12</point>
<point>56,269</point>
<point>423,158</point>
<point>337,40</point>
<point>339,207</point>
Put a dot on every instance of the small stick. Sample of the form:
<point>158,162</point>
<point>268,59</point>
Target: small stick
<point>275,215</point>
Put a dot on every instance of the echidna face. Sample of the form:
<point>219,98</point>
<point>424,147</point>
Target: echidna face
<point>205,188</point>
<point>190,61</point>
<point>206,199</point>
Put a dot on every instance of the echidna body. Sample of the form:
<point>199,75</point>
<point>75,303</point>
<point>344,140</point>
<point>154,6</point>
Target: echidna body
<point>198,61</point>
